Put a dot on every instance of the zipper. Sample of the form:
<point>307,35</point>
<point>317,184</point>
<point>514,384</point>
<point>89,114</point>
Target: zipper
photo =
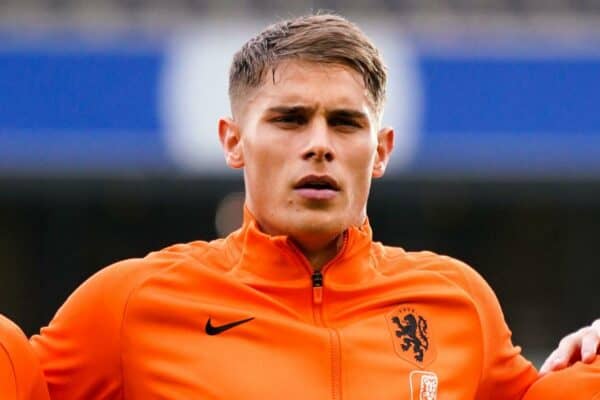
<point>317,299</point>
<point>334,336</point>
<point>317,275</point>
<point>317,285</point>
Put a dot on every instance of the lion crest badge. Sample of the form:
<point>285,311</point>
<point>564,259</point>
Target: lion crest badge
<point>411,335</point>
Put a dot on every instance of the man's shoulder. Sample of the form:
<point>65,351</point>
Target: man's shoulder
<point>209,253</point>
<point>97,307</point>
<point>427,266</point>
<point>396,260</point>
<point>128,273</point>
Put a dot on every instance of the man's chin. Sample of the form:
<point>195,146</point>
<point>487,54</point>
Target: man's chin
<point>316,224</point>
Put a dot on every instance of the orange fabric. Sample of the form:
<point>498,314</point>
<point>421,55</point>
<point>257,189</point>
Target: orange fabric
<point>20,374</point>
<point>580,381</point>
<point>386,324</point>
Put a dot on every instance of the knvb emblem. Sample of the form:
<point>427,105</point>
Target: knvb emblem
<point>410,331</point>
<point>423,385</point>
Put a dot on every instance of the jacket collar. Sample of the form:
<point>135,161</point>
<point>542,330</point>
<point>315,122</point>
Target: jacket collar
<point>276,259</point>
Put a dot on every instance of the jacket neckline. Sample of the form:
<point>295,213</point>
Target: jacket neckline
<point>276,259</point>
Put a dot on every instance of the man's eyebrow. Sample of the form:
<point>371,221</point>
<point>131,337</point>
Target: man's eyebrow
<point>348,113</point>
<point>338,113</point>
<point>290,110</point>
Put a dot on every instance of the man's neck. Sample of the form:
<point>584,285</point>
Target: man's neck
<point>318,256</point>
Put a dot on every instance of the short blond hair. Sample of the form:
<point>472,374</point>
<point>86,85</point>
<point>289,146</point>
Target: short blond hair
<point>319,38</point>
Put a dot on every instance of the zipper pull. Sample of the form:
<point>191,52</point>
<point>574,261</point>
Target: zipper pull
<point>317,284</point>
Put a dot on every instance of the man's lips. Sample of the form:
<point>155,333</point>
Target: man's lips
<point>317,187</point>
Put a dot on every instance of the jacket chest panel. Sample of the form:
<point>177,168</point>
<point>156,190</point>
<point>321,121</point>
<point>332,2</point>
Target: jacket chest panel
<point>261,358</point>
<point>412,351</point>
<point>392,352</point>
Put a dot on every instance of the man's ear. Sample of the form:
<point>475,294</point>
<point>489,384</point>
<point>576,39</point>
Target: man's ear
<point>385,145</point>
<point>231,140</point>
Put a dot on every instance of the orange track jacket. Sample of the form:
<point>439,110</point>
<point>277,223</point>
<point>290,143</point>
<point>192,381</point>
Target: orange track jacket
<point>20,374</point>
<point>246,317</point>
<point>578,382</point>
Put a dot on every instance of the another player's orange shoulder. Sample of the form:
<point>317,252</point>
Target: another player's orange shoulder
<point>580,381</point>
<point>20,374</point>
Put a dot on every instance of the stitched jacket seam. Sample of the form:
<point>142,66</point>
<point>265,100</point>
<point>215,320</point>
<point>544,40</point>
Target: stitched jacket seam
<point>132,291</point>
<point>469,290</point>
<point>12,367</point>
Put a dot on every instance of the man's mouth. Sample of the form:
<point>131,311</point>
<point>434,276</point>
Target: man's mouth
<point>317,187</point>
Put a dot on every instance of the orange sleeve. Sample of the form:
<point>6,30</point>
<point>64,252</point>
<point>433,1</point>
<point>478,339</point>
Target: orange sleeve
<point>20,374</point>
<point>80,349</point>
<point>506,373</point>
<point>580,381</point>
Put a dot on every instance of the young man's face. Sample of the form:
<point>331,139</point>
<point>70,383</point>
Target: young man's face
<point>309,144</point>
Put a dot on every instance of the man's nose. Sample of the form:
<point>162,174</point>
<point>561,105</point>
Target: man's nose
<point>319,146</point>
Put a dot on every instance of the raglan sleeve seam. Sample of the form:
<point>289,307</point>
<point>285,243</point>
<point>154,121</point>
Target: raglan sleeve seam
<point>469,289</point>
<point>126,304</point>
<point>12,367</point>
<point>502,362</point>
<point>129,293</point>
<point>121,328</point>
<point>132,291</point>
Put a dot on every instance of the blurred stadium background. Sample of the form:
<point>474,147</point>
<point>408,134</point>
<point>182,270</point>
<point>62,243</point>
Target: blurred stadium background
<point>108,145</point>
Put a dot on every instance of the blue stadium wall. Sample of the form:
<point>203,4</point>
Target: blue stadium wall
<point>79,103</point>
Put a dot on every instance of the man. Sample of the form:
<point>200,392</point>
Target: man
<point>299,303</point>
<point>20,374</point>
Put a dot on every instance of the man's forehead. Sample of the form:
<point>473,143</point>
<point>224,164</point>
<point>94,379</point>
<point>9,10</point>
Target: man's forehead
<point>292,83</point>
<point>313,85</point>
<point>287,69</point>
